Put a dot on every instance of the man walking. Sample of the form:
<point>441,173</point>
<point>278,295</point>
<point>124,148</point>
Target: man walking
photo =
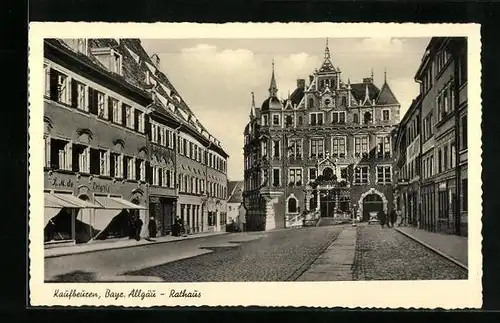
<point>152,228</point>
<point>393,217</point>
<point>381,218</point>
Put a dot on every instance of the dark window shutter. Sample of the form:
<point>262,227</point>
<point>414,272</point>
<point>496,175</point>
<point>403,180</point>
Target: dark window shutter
<point>92,101</point>
<point>138,169</point>
<point>54,91</point>
<point>125,168</point>
<point>75,162</point>
<point>112,166</point>
<point>147,127</point>
<point>74,94</point>
<point>136,119</point>
<point>94,161</point>
<point>110,108</point>
<point>149,173</point>
<point>124,114</point>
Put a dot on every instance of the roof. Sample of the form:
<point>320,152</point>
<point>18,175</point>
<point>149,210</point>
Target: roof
<point>358,91</point>
<point>386,96</point>
<point>271,103</point>
<point>236,191</point>
<point>297,95</point>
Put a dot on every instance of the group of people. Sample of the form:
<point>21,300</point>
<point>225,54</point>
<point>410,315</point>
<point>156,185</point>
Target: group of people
<point>135,226</point>
<point>178,228</point>
<point>388,220</point>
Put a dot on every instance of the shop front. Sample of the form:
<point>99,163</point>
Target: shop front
<point>162,209</point>
<point>85,209</point>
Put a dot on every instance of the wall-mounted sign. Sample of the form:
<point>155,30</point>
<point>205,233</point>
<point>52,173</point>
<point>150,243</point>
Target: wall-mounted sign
<point>61,182</point>
<point>100,188</point>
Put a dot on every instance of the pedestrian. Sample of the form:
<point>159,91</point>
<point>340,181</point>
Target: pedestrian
<point>131,227</point>
<point>393,217</point>
<point>381,217</point>
<point>152,227</point>
<point>138,227</point>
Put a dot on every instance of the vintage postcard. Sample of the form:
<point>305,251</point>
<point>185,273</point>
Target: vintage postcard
<point>303,164</point>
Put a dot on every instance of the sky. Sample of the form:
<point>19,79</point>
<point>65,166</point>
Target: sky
<point>216,76</point>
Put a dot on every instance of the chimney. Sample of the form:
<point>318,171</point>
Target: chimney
<point>367,80</point>
<point>311,78</point>
<point>301,83</point>
<point>156,60</point>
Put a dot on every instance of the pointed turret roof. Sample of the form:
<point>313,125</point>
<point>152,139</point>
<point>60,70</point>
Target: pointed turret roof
<point>386,96</point>
<point>273,88</point>
<point>252,108</point>
<point>327,65</point>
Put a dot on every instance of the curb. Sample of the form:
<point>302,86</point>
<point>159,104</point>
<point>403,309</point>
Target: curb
<point>132,246</point>
<point>442,254</point>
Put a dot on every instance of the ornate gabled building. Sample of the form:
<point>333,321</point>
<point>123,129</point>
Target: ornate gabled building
<point>322,152</point>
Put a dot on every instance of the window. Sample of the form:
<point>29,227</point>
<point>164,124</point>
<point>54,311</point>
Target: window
<point>311,103</point>
<point>97,103</point>
<point>139,121</point>
<point>312,174</point>
<point>115,110</point>
<point>317,148</point>
<point>117,165</point>
<point>386,115</point>
<point>81,159</point>
<point>344,101</point>
<point>361,175</point>
<point>445,158</point>
<point>452,155</point>
<point>129,116</point>
<point>156,180</point>
<point>265,177</point>
<point>78,96</point>
<point>338,117</point>
<point>289,121</point>
<point>380,146</point>
<point>140,170</point>
<point>300,120</point>
<point>440,161</point>
<point>265,120</point>
<point>276,149</point>
<point>387,146</point>
<point>116,62</point>
<point>292,205</point>
<point>465,195</point>
<point>384,175</point>
<point>130,170</point>
<point>103,163</point>
<point>295,148</point>
<point>339,147</point>
<point>60,154</point>
<point>59,87</point>
<point>462,76</point>
<point>154,133</point>
<point>355,118</point>
<point>316,118</point>
<point>361,147</point>
<point>463,121</point>
<point>295,177</point>
<point>276,119</point>
<point>185,150</point>
<point>367,118</point>
<point>344,173</point>
<point>276,177</point>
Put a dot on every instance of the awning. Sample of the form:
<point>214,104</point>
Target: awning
<point>117,203</point>
<point>58,200</point>
<point>49,213</point>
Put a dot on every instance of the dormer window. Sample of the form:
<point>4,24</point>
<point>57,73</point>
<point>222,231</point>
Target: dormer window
<point>78,45</point>
<point>110,58</point>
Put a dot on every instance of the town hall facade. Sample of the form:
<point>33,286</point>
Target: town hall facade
<point>323,152</point>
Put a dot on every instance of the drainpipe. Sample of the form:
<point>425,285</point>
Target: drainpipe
<point>176,180</point>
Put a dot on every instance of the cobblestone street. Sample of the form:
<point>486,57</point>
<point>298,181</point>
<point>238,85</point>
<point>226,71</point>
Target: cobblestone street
<point>368,252</point>
<point>385,254</point>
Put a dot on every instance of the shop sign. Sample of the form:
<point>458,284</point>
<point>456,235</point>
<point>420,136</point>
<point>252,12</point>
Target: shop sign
<point>100,188</point>
<point>61,182</point>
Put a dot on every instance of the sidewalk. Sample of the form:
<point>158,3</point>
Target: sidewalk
<point>336,262</point>
<point>449,246</point>
<point>120,244</point>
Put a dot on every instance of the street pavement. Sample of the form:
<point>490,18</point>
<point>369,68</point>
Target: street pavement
<point>385,254</point>
<point>365,252</point>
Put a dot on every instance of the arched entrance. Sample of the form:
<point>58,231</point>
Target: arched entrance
<point>371,203</point>
<point>328,173</point>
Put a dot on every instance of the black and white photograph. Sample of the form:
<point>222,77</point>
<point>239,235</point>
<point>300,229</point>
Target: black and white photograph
<point>279,156</point>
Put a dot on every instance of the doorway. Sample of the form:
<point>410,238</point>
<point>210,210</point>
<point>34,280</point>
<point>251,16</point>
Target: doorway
<point>371,203</point>
<point>327,203</point>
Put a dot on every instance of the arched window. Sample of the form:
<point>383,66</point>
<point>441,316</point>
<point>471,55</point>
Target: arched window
<point>367,117</point>
<point>300,120</point>
<point>355,118</point>
<point>311,103</point>
<point>288,121</point>
<point>292,205</point>
<point>344,101</point>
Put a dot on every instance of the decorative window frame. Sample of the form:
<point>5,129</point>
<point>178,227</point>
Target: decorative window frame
<point>345,146</point>
<point>368,175</point>
<point>310,146</point>
<point>339,112</point>
<point>317,113</point>
<point>279,177</point>
<point>376,174</point>
<point>382,114</point>
<point>301,176</point>
<point>280,121</point>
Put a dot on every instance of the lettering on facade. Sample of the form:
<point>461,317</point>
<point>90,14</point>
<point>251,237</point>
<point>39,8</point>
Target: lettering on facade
<point>100,188</point>
<point>61,182</point>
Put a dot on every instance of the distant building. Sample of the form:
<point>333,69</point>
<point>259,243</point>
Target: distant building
<point>120,141</point>
<point>438,199</point>
<point>323,150</point>
<point>234,204</point>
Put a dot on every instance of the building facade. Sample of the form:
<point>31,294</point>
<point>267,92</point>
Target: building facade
<point>443,138</point>
<point>113,126</point>
<point>236,218</point>
<point>325,150</point>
